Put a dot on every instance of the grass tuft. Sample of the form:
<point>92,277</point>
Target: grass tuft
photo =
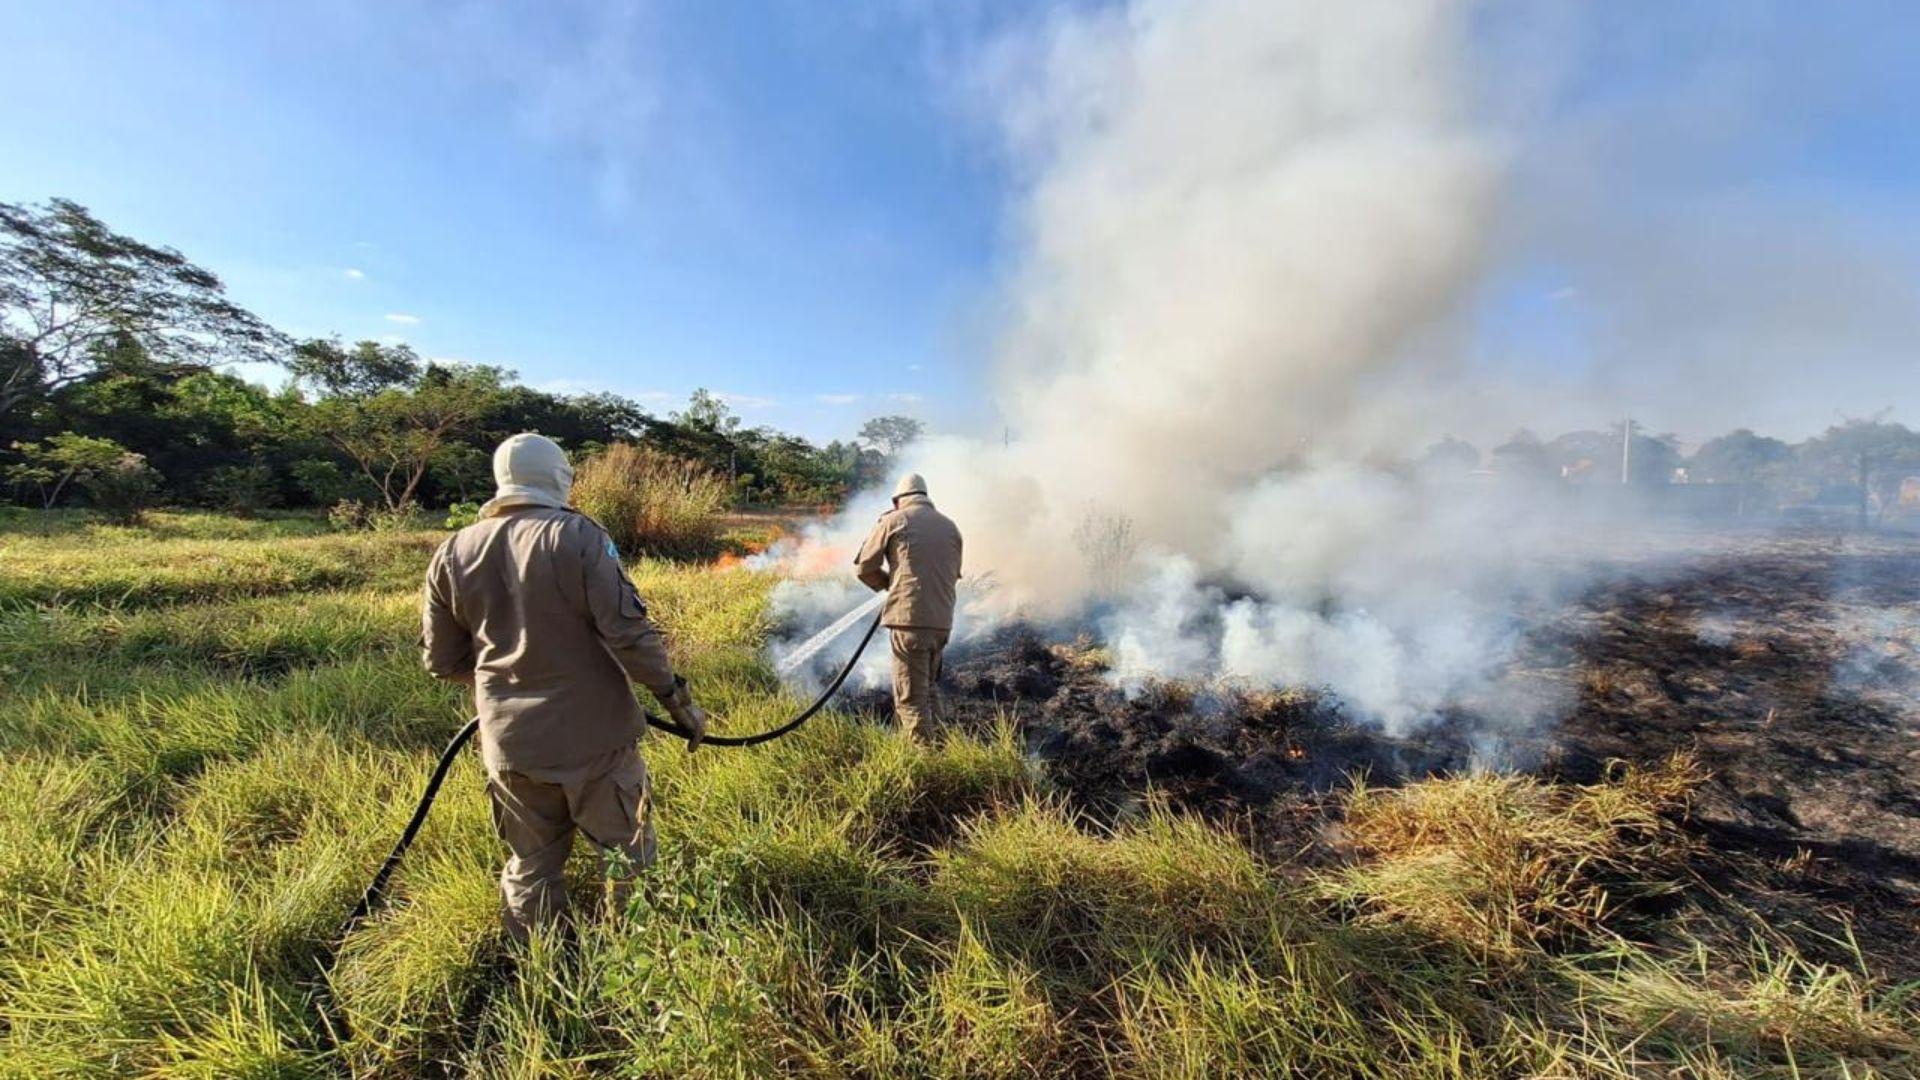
<point>1501,864</point>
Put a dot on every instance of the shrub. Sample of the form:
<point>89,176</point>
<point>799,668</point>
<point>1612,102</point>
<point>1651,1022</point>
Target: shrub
<point>240,489</point>
<point>652,502</point>
<point>320,480</point>
<point>462,514</point>
<point>124,489</point>
<point>352,515</point>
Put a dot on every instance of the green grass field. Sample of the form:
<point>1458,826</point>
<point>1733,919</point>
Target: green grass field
<point>212,728</point>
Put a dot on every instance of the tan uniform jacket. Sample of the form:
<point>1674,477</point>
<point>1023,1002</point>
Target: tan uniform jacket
<point>913,552</point>
<point>535,605</point>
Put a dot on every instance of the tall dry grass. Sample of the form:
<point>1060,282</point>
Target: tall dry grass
<point>652,503</point>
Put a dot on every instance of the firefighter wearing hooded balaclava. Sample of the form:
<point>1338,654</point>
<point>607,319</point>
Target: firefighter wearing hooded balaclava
<point>913,553</point>
<point>531,607</point>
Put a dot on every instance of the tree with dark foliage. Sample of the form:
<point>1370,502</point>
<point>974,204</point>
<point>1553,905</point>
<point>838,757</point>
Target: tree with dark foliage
<point>892,434</point>
<point>70,286</point>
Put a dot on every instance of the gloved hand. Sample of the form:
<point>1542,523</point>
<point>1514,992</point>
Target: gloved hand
<point>690,717</point>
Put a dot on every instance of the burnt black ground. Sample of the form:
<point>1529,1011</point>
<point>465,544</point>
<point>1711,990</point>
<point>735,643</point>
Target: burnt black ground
<point>1787,663</point>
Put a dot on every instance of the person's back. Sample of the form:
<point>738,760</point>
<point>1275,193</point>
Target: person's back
<point>914,553</point>
<point>530,607</point>
<point>923,548</point>
<point>546,682</point>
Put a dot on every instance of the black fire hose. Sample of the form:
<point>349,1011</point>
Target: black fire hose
<point>805,714</point>
<point>377,890</point>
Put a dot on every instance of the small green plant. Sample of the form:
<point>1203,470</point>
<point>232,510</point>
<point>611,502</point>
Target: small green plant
<point>652,503</point>
<point>350,515</point>
<point>462,514</point>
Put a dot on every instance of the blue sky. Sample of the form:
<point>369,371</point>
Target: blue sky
<point>765,199</point>
<point>795,204</point>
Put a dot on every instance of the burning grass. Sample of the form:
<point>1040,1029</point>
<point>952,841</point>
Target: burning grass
<point>182,824</point>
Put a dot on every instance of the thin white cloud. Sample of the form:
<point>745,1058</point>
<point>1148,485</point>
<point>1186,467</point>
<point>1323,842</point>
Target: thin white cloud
<point>746,401</point>
<point>905,399</point>
<point>1565,293</point>
<point>392,339</point>
<point>836,399</point>
<point>354,273</point>
<point>402,318</point>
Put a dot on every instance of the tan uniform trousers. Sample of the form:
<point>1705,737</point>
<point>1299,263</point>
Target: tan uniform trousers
<point>607,797</point>
<point>916,677</point>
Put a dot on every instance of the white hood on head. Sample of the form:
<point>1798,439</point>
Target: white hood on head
<point>911,484</point>
<point>529,470</point>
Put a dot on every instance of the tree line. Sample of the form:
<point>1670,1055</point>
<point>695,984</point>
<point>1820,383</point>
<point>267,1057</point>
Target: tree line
<point>1870,465</point>
<point>112,391</point>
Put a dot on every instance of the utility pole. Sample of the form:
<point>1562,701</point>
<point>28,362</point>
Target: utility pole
<point>1866,473</point>
<point>1626,452</point>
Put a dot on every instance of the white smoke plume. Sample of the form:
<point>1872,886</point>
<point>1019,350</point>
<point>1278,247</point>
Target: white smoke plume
<point>1249,237</point>
<point>1234,272</point>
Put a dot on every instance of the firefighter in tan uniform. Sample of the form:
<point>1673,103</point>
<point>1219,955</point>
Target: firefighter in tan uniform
<point>913,553</point>
<point>530,607</point>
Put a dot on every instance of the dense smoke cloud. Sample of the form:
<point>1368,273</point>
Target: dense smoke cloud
<point>1227,265</point>
<point>1252,240</point>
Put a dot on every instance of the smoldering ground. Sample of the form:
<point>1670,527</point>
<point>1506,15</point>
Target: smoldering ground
<point>1245,293</point>
<point>1783,662</point>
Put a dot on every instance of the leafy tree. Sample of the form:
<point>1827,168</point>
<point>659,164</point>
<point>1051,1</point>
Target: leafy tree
<point>187,426</point>
<point>240,489</point>
<point>852,466</point>
<point>892,434</point>
<point>1653,458</point>
<point>367,368</point>
<point>69,286</point>
<point>1451,456</point>
<point>1740,457</point>
<point>395,435</point>
<point>1523,455</point>
<point>582,423</point>
<point>1872,454</point>
<point>320,481</point>
<point>64,459</point>
<point>707,411</point>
